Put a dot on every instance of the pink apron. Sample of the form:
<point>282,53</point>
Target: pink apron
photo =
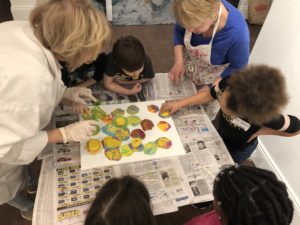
<point>199,68</point>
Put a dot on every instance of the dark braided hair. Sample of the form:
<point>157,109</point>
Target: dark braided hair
<point>252,196</point>
<point>121,201</point>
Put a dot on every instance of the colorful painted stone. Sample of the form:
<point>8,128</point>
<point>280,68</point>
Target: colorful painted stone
<point>147,124</point>
<point>109,142</point>
<point>93,146</point>
<point>138,133</point>
<point>118,112</point>
<point>163,126</point>
<point>95,113</point>
<point>97,130</point>
<point>150,148</point>
<point>136,145</point>
<point>132,109</point>
<point>120,121</point>
<point>164,114</point>
<point>107,119</point>
<point>126,150</point>
<point>153,108</point>
<point>163,142</point>
<point>122,134</point>
<point>113,154</point>
<point>133,120</point>
<point>109,130</point>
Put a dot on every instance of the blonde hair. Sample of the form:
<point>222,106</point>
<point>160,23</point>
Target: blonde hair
<point>74,30</point>
<point>191,13</point>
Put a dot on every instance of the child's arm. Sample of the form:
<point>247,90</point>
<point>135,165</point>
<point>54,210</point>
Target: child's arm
<point>89,82</point>
<point>285,126</point>
<point>202,97</point>
<point>112,86</point>
<point>141,81</point>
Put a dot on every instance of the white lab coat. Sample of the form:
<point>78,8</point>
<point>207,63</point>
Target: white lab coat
<point>30,88</point>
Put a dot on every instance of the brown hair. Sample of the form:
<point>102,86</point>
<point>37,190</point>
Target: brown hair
<point>128,52</point>
<point>124,201</point>
<point>257,93</point>
<point>191,13</point>
<point>73,30</point>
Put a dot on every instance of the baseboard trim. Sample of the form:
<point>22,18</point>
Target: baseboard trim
<point>262,159</point>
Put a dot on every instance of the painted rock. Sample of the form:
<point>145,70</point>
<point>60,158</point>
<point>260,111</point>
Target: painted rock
<point>150,148</point>
<point>118,112</point>
<point>136,145</point>
<point>126,150</point>
<point>120,121</point>
<point>113,154</point>
<point>109,142</point>
<point>133,120</point>
<point>164,114</point>
<point>163,142</point>
<point>153,108</point>
<point>132,109</point>
<point>93,146</point>
<point>138,133</point>
<point>147,124</point>
<point>163,126</point>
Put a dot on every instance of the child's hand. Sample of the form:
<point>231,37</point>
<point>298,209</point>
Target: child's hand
<point>80,108</point>
<point>172,107</point>
<point>136,89</point>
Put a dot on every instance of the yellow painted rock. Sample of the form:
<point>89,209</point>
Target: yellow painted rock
<point>111,142</point>
<point>126,150</point>
<point>113,154</point>
<point>163,142</point>
<point>93,146</point>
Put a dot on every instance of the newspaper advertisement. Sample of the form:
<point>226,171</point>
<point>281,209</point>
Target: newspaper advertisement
<point>43,206</point>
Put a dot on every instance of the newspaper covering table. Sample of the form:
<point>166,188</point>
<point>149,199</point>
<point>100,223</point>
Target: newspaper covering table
<point>65,192</point>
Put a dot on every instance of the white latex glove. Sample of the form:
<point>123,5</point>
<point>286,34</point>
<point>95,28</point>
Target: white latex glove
<point>76,94</point>
<point>79,131</point>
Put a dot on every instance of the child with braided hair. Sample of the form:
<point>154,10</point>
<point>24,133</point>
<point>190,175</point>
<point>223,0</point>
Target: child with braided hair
<point>245,195</point>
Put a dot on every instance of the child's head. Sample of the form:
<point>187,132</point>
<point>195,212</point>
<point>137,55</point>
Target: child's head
<point>128,52</point>
<point>257,93</point>
<point>123,201</point>
<point>247,195</point>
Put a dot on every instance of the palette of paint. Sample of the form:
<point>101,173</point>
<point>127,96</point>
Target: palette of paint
<point>130,132</point>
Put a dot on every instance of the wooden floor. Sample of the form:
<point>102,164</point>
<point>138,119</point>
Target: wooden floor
<point>157,40</point>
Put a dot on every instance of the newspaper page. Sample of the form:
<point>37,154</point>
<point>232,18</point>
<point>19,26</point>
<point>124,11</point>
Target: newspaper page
<point>205,154</point>
<point>167,173</point>
<point>165,90</point>
<point>43,206</point>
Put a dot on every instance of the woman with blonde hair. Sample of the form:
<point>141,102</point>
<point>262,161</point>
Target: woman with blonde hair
<point>30,85</point>
<point>211,40</point>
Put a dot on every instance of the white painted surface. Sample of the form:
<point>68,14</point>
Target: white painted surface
<point>279,45</point>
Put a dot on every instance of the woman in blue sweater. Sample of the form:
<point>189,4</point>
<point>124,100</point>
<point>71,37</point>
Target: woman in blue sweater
<point>211,39</point>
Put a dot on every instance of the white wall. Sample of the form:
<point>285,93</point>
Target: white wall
<point>21,9</point>
<point>278,44</point>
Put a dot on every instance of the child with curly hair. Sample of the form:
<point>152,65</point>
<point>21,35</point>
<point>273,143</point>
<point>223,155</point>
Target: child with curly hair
<point>251,103</point>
